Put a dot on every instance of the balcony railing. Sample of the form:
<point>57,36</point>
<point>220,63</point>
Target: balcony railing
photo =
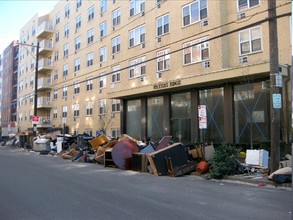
<point>45,29</point>
<point>45,47</point>
<point>44,64</point>
<point>44,83</point>
<point>44,102</point>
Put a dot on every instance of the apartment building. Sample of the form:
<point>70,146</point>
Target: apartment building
<point>195,70</point>
<point>1,68</point>
<point>9,86</point>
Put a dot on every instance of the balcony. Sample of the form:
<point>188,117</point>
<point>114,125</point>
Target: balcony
<point>44,122</point>
<point>44,65</point>
<point>44,102</point>
<point>45,30</point>
<point>45,47</point>
<point>44,83</point>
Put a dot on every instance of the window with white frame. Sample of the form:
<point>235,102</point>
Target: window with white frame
<point>64,91</point>
<point>67,11</point>
<point>137,36</point>
<point>64,111</point>
<point>20,88</point>
<point>116,16</point>
<point>65,70</point>
<point>250,41</point>
<point>77,22</point>
<point>55,94</point>
<point>115,45</point>
<point>246,4</point>
<point>31,97</point>
<point>20,101</point>
<point>31,114</point>
<point>55,77</point>
<point>162,25</point>
<point>196,51</point>
<point>137,67</point>
<point>90,59</point>
<point>57,18</point>
<point>91,13</point>
<point>21,70</point>
<point>90,36</point>
<point>89,108</point>
<point>194,12</point>
<point>78,3</point>
<point>76,65</point>
<point>115,74</point>
<point>77,43</point>
<point>32,79</point>
<point>89,84</point>
<point>32,64</point>
<point>115,105</point>
<point>103,6</point>
<point>103,29</point>
<point>136,6</point>
<point>65,50</point>
<point>103,81</point>
<point>56,55</point>
<point>115,132</point>
<point>76,88</point>
<point>66,30</point>
<point>163,60</point>
<point>57,36</point>
<point>55,113</point>
<point>102,106</point>
<point>103,54</point>
<point>75,110</point>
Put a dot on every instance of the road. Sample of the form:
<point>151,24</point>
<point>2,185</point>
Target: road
<point>36,187</point>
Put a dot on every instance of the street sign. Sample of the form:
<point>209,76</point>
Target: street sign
<point>278,80</point>
<point>277,101</point>
<point>35,120</point>
<point>202,116</point>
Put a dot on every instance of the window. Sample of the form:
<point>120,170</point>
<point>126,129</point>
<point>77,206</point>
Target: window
<point>31,98</point>
<point>194,12</point>
<point>137,68</point>
<point>78,22</point>
<point>76,65</point>
<point>57,18</point>
<point>78,3</point>
<point>116,74</point>
<point>55,94</point>
<point>90,59</point>
<point>65,50</point>
<point>89,108</point>
<point>64,91</point>
<point>103,54</point>
<point>250,41</point>
<point>32,80</point>
<point>245,4</point>
<point>91,13</point>
<point>103,6</point>
<point>90,36</point>
<point>65,70</point>
<point>116,14</point>
<point>103,80</point>
<point>56,55</point>
<point>55,113</point>
<point>163,25</point>
<point>76,88</point>
<point>75,110</point>
<point>103,29</point>
<point>77,43</point>
<point>196,51</point>
<point>66,30</point>
<point>163,60</point>
<point>57,36</point>
<point>116,133</point>
<point>115,105</point>
<point>116,45</point>
<point>89,84</point>
<point>137,36</point>
<point>20,86</point>
<point>64,111</point>
<point>67,11</point>
<point>102,109</point>
<point>136,6</point>
<point>55,77</point>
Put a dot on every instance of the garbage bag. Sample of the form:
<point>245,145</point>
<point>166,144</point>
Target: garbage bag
<point>282,178</point>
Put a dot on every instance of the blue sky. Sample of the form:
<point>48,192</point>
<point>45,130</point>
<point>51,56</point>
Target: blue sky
<point>14,14</point>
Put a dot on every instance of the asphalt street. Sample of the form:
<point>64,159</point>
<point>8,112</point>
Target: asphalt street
<point>36,187</point>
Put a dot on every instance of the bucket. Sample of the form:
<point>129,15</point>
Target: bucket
<point>202,167</point>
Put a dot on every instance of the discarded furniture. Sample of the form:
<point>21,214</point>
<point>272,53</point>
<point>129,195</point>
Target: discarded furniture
<point>139,162</point>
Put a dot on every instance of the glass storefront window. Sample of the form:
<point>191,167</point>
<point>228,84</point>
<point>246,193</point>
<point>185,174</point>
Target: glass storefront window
<point>251,112</point>
<point>155,112</point>
<point>213,99</point>
<point>133,126</point>
<point>180,117</point>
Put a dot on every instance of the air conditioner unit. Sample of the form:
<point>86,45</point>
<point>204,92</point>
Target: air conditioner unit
<point>204,23</point>
<point>74,119</point>
<point>241,16</point>
<point>205,64</point>
<point>113,28</point>
<point>101,14</point>
<point>101,64</point>
<point>75,30</point>
<point>100,90</point>
<point>101,39</point>
<point>159,75</point>
<point>142,78</point>
<point>159,39</point>
<point>142,45</point>
<point>142,13</point>
<point>113,56</point>
<point>243,59</point>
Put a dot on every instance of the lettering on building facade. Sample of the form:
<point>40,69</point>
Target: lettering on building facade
<point>170,83</point>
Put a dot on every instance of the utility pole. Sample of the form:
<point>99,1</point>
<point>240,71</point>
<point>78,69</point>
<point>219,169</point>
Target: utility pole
<point>36,88</point>
<point>275,89</point>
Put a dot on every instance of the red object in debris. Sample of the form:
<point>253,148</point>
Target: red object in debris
<point>122,153</point>
<point>202,167</point>
<point>261,184</point>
